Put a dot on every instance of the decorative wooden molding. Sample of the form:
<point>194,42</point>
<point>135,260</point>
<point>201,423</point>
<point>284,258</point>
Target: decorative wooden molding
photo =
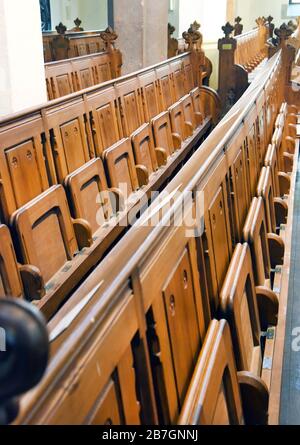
<point>61,29</point>
<point>283,33</point>
<point>173,43</point>
<point>238,27</point>
<point>193,37</point>
<point>109,37</point>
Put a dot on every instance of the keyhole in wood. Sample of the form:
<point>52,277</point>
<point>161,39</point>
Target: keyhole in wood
<point>172,305</point>
<point>185,279</point>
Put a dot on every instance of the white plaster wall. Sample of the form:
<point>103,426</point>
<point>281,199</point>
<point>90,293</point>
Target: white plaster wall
<point>173,16</point>
<point>22,76</point>
<point>93,13</point>
<point>250,10</point>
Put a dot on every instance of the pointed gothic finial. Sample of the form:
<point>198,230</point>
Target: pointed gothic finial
<point>61,29</point>
<point>78,28</point>
<point>270,19</point>
<point>228,30</point>
<point>193,37</point>
<point>238,27</point>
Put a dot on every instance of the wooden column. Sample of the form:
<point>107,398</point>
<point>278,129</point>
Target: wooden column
<point>227,47</point>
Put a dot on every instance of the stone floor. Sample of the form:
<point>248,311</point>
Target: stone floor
<point>290,397</point>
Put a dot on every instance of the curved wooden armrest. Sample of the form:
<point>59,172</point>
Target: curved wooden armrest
<point>117,200</point>
<point>143,175</point>
<point>162,156</point>
<point>284,183</point>
<point>277,250</point>
<point>290,144</point>
<point>199,118</point>
<point>281,211</point>
<point>292,118</point>
<point>255,398</point>
<point>33,282</point>
<point>189,129</point>
<point>293,109</point>
<point>177,141</point>
<point>83,232</point>
<point>268,305</point>
<point>292,130</point>
<point>288,160</point>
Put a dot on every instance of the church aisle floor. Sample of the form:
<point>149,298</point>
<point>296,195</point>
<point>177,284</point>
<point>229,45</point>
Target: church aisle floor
<point>290,396</point>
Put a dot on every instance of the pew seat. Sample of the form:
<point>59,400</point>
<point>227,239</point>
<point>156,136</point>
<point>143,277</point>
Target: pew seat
<point>218,395</point>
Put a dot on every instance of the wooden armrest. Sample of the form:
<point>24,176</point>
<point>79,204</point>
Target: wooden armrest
<point>292,130</point>
<point>255,398</point>
<point>189,129</point>
<point>277,250</point>
<point>83,232</point>
<point>284,183</point>
<point>199,118</point>
<point>292,109</point>
<point>290,144</point>
<point>33,282</point>
<point>117,200</point>
<point>143,175</point>
<point>177,141</point>
<point>162,156</point>
<point>268,306</point>
<point>281,211</point>
<point>292,118</point>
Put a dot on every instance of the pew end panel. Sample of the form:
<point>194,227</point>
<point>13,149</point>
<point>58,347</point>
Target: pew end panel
<point>25,158</point>
<point>144,149</point>
<point>215,398</point>
<point>104,119</point>
<point>177,313</point>
<point>33,224</point>
<point>70,137</point>
<point>119,160</point>
<point>89,194</point>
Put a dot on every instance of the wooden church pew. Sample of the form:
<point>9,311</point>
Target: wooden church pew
<point>164,266</point>
<point>239,57</point>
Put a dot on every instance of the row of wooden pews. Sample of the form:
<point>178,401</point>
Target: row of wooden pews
<point>72,170</point>
<point>178,324</point>
<point>241,58</point>
<point>63,44</point>
<point>83,71</point>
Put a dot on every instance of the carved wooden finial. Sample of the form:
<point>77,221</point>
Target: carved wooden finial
<point>173,44</point>
<point>77,28</point>
<point>61,29</point>
<point>228,30</point>
<point>291,24</point>
<point>270,19</point>
<point>261,21</point>
<point>171,29</point>
<point>283,33</point>
<point>193,37</point>
<point>238,27</point>
<point>109,37</point>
